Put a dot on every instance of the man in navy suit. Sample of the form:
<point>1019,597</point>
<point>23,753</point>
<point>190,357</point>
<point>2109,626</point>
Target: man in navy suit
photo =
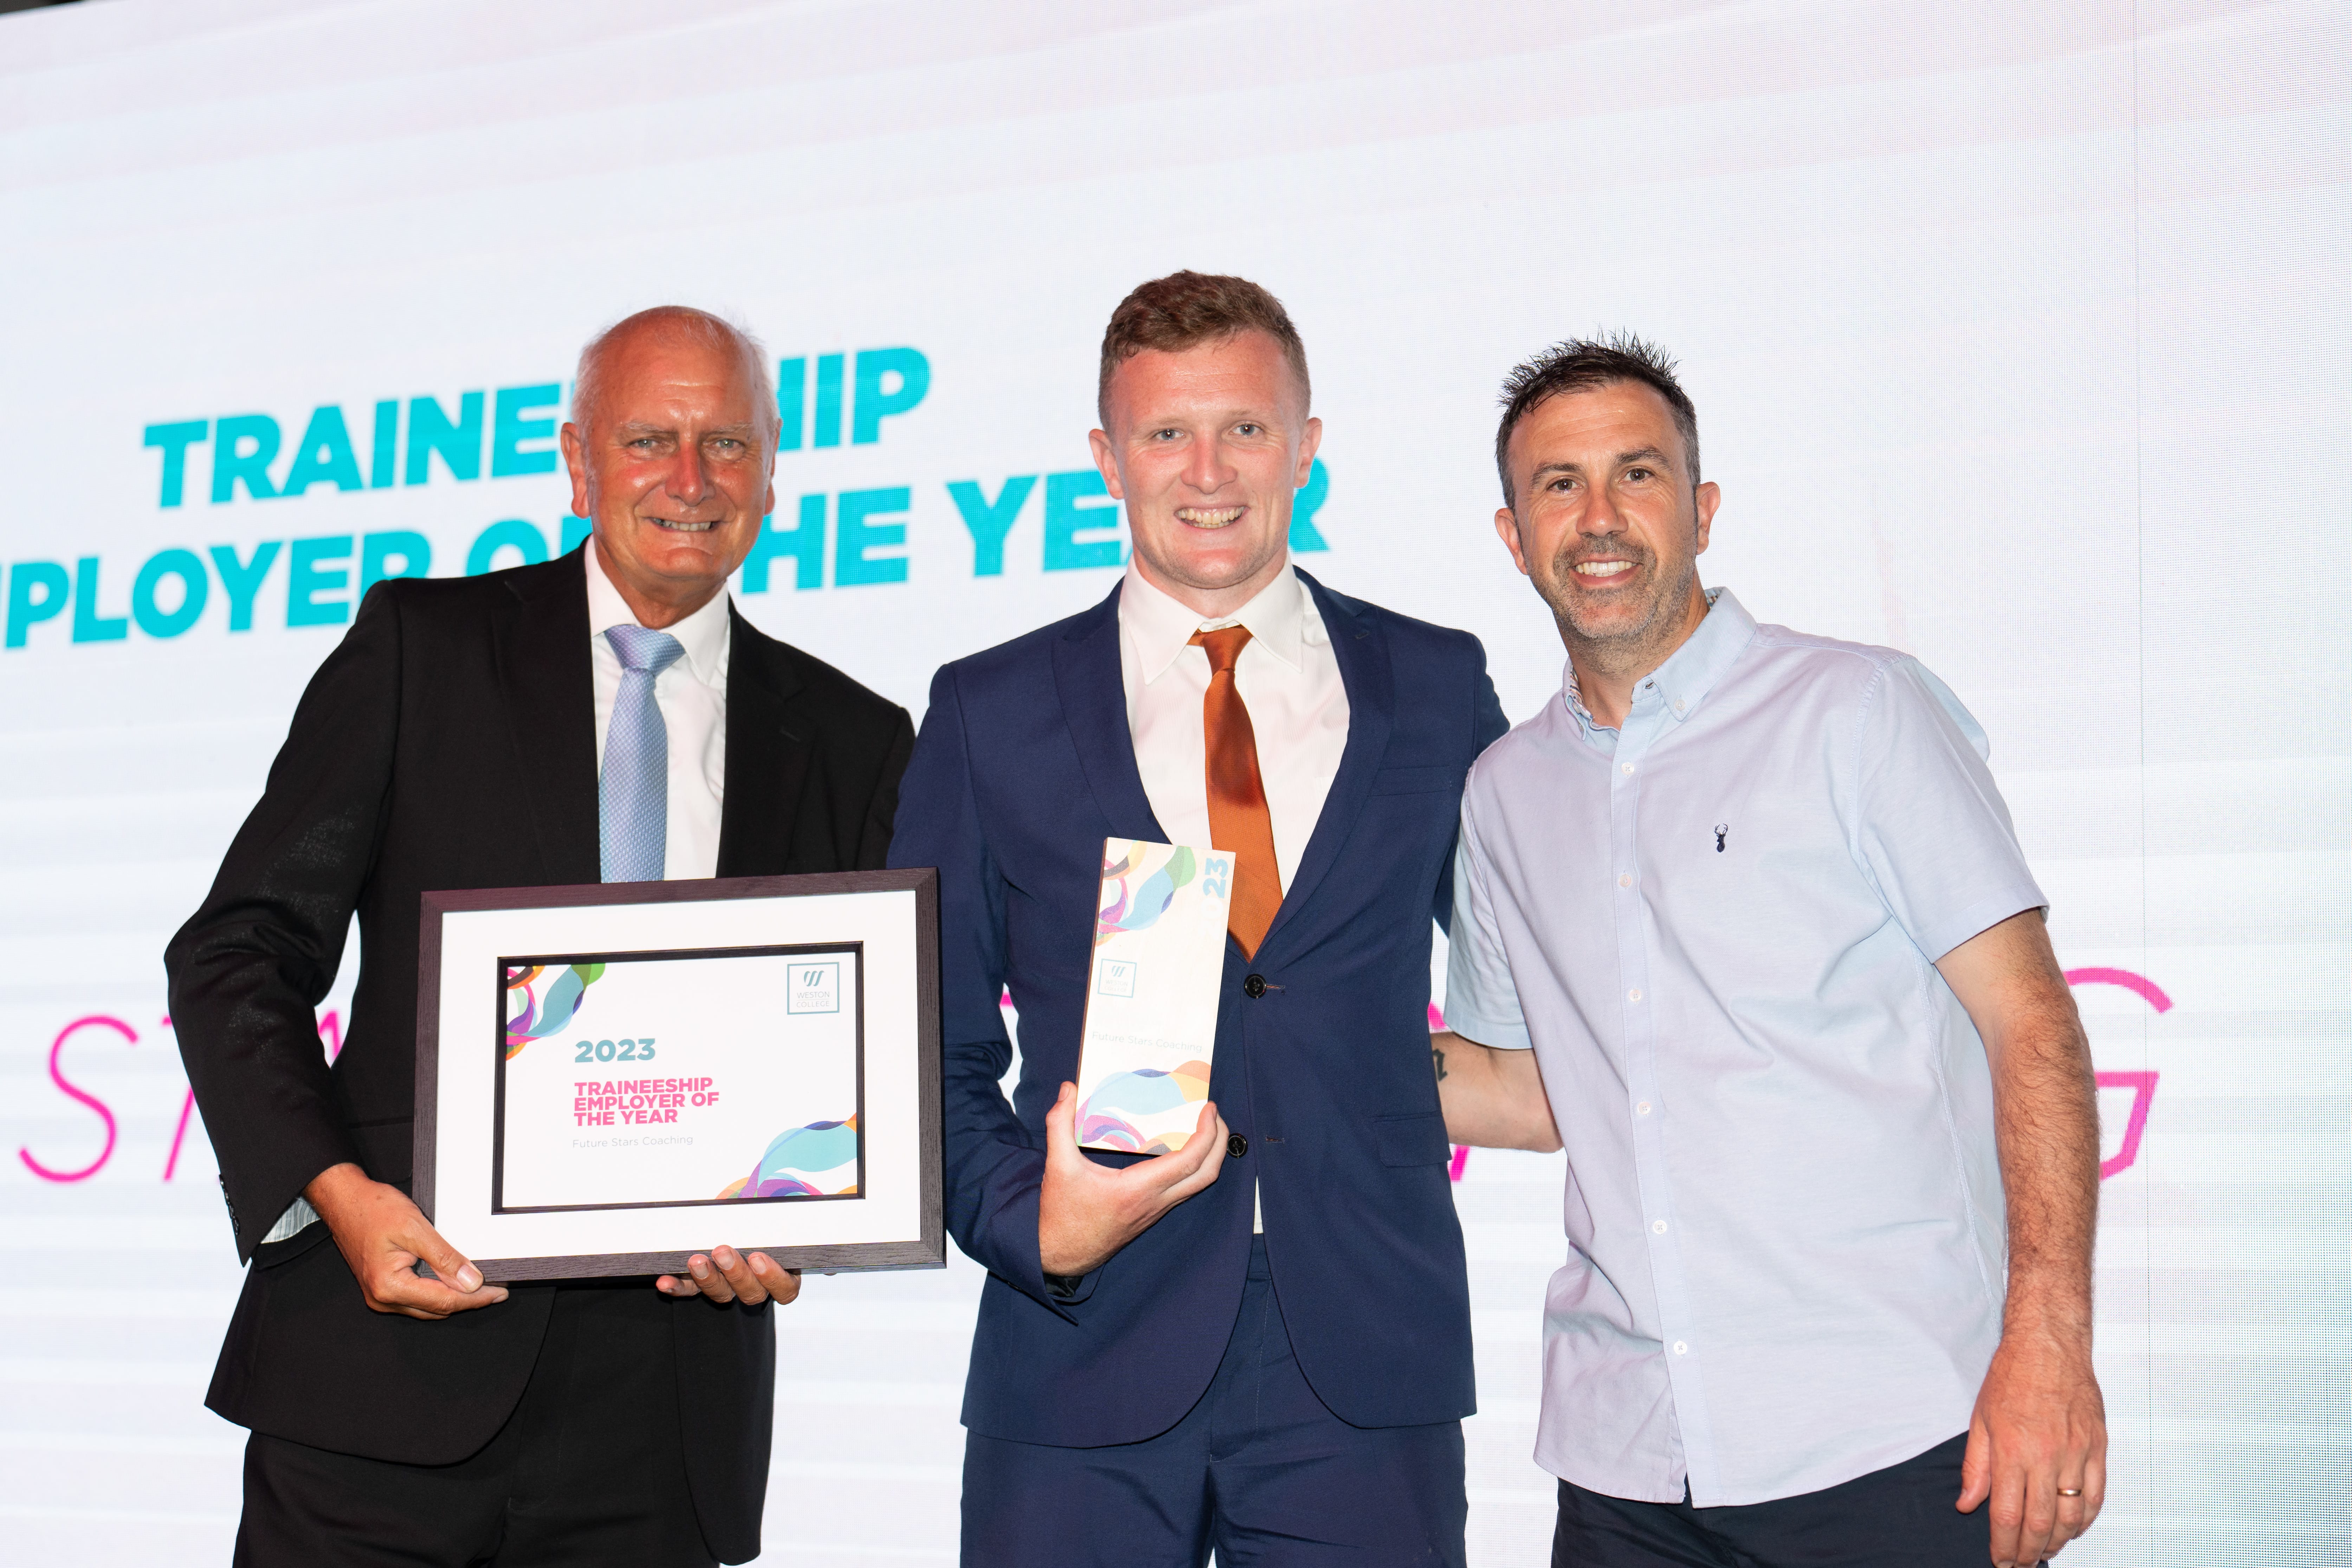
<point>1259,1344</point>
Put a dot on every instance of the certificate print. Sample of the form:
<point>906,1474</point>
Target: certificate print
<point>643,1080</point>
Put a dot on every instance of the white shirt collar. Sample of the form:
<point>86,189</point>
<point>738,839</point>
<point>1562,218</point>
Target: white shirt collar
<point>1690,671</point>
<point>703,635</point>
<point>1161,627</point>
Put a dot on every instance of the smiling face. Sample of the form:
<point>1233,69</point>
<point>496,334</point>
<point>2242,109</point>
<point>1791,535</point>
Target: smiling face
<point>676,467</point>
<point>1608,525</point>
<point>1207,446</point>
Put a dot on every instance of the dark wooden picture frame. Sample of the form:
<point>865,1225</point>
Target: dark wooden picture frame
<point>928,1251</point>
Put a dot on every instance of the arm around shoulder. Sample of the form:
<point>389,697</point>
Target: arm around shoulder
<point>1493,1097</point>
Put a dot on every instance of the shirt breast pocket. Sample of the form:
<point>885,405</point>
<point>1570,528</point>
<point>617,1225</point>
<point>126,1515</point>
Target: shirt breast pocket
<point>1417,781</point>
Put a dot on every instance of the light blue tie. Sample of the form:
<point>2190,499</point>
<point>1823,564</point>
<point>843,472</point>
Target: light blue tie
<point>633,794</point>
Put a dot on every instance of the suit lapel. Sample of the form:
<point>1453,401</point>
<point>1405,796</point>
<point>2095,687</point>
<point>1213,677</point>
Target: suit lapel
<point>767,756</point>
<point>1362,651</point>
<point>549,697</point>
<point>1094,705</point>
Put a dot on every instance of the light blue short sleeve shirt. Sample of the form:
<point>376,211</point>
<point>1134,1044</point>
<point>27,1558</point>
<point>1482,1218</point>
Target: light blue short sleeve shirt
<point>1718,926</point>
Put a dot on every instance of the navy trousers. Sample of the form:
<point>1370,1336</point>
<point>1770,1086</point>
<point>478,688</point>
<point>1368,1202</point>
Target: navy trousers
<point>1259,1470</point>
<point>1900,1517</point>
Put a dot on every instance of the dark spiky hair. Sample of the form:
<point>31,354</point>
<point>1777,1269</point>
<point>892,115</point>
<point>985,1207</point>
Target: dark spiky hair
<point>1580,364</point>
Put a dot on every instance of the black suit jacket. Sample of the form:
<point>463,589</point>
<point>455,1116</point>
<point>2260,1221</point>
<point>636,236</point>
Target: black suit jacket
<point>449,741</point>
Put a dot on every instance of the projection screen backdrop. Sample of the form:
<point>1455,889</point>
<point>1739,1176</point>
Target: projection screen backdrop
<point>2018,340</point>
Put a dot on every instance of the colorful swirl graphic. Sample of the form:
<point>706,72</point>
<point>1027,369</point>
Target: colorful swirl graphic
<point>807,1162</point>
<point>529,1016</point>
<point>1103,1120</point>
<point>1150,901</point>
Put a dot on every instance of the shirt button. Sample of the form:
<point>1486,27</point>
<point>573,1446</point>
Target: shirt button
<point>1659,1225</point>
<point>1624,879</point>
<point>1678,704</point>
<point>1682,1347</point>
<point>1634,994</point>
<point>1642,1109</point>
<point>1626,767</point>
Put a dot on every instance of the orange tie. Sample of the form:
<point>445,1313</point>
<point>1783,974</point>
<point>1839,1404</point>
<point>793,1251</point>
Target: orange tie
<point>1239,823</point>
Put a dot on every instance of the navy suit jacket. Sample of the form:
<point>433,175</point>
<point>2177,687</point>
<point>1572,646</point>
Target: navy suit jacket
<point>1024,766</point>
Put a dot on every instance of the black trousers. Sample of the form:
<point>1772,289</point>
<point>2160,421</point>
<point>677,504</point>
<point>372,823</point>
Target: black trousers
<point>1900,1517</point>
<point>589,1469</point>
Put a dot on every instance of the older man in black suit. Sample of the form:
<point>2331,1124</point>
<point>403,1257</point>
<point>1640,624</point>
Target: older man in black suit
<point>607,716</point>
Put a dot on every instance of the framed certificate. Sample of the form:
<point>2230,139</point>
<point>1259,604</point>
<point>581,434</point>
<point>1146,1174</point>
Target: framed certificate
<point>614,1077</point>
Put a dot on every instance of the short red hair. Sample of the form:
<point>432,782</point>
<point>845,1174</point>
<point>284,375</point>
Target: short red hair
<point>1185,310</point>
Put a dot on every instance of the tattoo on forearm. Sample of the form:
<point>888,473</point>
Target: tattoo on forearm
<point>1437,1060</point>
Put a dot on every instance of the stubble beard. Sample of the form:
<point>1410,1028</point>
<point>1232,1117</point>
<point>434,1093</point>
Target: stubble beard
<point>1617,641</point>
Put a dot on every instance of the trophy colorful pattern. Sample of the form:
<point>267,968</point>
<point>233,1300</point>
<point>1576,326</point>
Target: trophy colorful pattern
<point>1152,986</point>
<point>1103,1120</point>
<point>1149,901</point>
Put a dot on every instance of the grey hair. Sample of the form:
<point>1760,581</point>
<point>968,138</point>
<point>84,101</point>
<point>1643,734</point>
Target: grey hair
<point>714,331</point>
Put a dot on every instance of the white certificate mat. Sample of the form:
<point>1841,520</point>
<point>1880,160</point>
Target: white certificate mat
<point>733,1078</point>
<point>612,1078</point>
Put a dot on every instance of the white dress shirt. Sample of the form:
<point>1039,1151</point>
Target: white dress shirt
<point>1717,925</point>
<point>693,696</point>
<point>1287,678</point>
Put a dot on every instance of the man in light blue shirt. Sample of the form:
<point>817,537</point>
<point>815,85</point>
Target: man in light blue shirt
<point>1753,899</point>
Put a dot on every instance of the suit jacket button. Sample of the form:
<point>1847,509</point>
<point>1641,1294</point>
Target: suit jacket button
<point>1238,1145</point>
<point>1254,987</point>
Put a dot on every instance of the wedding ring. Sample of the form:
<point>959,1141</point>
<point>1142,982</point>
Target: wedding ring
<point>2069,1492</point>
